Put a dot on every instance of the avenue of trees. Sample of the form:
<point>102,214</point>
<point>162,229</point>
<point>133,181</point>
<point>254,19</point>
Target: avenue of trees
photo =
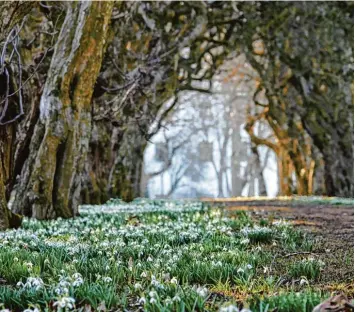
<point>84,87</point>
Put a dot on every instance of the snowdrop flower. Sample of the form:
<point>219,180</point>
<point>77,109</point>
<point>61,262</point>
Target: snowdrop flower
<point>142,300</point>
<point>174,281</point>
<point>202,291</point>
<point>77,275</point>
<point>31,282</point>
<point>229,308</point>
<point>153,300</point>
<point>15,260</point>
<point>62,291</point>
<point>303,281</point>
<point>154,282</point>
<point>245,241</point>
<point>144,274</point>
<point>29,265</point>
<point>137,286</point>
<point>176,298</point>
<point>240,270</point>
<point>249,266</point>
<point>150,259</point>
<point>65,302</point>
<point>31,310</point>
<point>152,294</point>
<point>79,281</point>
<point>107,279</point>
<point>5,310</point>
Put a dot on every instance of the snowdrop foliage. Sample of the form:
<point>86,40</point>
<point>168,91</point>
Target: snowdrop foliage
<point>157,255</point>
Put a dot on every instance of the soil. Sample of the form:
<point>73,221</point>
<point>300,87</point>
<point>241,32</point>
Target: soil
<point>331,226</point>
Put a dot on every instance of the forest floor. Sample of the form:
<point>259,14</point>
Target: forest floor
<point>329,221</point>
<point>225,255</point>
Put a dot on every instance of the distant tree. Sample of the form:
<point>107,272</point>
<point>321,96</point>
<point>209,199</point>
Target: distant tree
<point>303,52</point>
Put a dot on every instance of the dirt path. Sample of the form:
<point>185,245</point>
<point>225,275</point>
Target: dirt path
<point>332,227</point>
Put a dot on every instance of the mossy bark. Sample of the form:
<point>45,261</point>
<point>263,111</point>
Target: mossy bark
<point>7,218</point>
<point>50,179</point>
<point>333,135</point>
<point>4,215</point>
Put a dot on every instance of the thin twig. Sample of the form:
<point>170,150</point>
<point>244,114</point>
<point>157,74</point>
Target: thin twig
<point>299,253</point>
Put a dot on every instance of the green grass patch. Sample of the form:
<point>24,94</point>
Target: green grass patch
<point>153,255</point>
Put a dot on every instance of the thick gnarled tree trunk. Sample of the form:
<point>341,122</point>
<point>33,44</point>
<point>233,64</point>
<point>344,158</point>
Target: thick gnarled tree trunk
<point>5,143</point>
<point>50,179</point>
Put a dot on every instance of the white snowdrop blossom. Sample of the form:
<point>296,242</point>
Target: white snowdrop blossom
<point>202,291</point>
<point>144,274</point>
<point>245,241</point>
<point>77,279</point>
<point>65,303</point>
<point>229,308</point>
<point>107,279</point>
<point>31,310</point>
<point>174,281</point>
<point>29,265</point>
<point>35,283</point>
<point>152,294</point>
<point>303,281</point>
<point>138,286</point>
<point>176,298</point>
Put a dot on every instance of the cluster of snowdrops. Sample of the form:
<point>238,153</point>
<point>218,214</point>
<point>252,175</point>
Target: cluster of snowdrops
<point>152,255</point>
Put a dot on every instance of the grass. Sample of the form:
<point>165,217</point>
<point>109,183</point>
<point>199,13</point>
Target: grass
<point>155,256</point>
<point>294,199</point>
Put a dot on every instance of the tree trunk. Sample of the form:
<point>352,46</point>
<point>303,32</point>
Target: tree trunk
<point>50,179</point>
<point>7,218</point>
<point>11,14</point>
<point>259,171</point>
<point>335,142</point>
<point>5,144</point>
<point>285,170</point>
<point>237,181</point>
